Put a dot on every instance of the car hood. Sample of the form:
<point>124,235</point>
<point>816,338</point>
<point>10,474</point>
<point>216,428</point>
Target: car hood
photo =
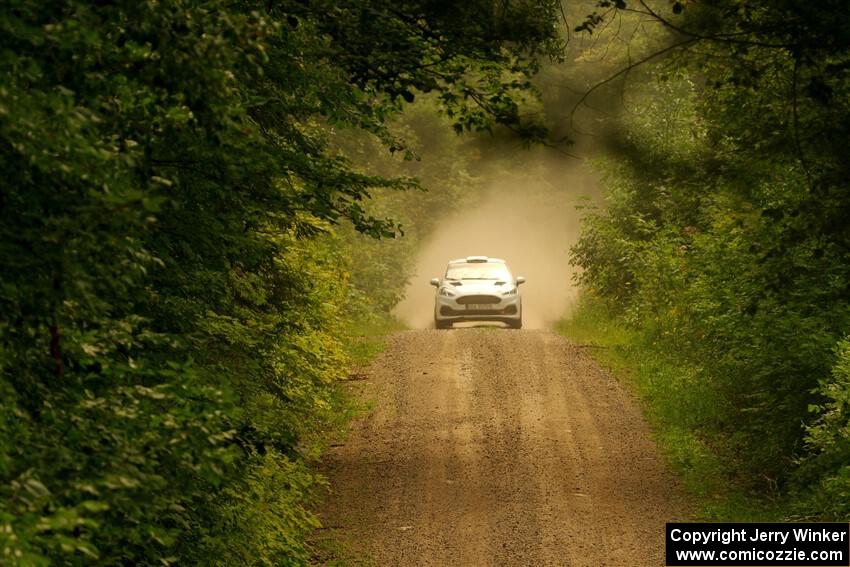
<point>468,287</point>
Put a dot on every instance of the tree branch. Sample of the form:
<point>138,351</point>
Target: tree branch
<point>626,70</point>
<point>722,38</point>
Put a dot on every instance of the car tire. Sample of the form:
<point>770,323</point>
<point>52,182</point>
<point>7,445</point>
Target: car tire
<point>442,324</point>
<point>515,324</point>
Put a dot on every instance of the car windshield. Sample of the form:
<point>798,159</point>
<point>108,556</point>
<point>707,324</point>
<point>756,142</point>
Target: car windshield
<point>478,271</point>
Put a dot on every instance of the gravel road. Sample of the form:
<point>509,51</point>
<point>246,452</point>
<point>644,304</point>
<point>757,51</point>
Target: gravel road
<point>487,446</point>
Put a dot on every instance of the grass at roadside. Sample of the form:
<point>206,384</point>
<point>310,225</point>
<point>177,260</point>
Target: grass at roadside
<point>675,405</point>
<point>367,338</point>
<point>329,552</point>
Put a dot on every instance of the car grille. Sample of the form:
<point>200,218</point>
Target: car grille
<point>446,311</point>
<point>479,299</point>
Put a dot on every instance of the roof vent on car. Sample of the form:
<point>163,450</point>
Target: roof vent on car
<point>476,259</point>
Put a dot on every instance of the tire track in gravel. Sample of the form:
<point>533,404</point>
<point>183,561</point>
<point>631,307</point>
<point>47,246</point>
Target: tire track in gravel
<point>494,447</point>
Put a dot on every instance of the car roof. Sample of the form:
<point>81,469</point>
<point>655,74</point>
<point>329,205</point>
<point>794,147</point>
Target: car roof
<point>477,260</point>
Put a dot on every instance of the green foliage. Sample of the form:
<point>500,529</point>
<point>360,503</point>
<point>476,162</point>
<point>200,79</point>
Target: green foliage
<point>825,472</point>
<point>174,299</point>
<point>677,404</point>
<point>265,521</point>
<point>380,270</point>
<point>725,237</point>
<point>366,337</point>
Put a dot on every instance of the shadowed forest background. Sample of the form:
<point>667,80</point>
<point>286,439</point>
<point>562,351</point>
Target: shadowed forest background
<point>210,210</point>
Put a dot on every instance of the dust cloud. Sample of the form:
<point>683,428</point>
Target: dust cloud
<point>527,218</point>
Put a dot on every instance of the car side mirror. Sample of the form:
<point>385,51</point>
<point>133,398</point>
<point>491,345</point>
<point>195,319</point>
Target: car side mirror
<point>520,280</point>
<point>435,282</point>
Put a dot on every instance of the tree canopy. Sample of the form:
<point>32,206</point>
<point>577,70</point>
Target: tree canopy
<point>727,237</point>
<point>171,314</point>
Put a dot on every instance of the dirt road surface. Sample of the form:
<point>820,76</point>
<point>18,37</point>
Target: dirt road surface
<point>487,446</point>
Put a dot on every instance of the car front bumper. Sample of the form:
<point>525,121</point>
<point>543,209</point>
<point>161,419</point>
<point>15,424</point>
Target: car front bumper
<point>507,310</point>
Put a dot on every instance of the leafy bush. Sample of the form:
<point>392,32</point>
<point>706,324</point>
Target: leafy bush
<point>721,240</point>
<point>173,296</point>
<point>825,472</point>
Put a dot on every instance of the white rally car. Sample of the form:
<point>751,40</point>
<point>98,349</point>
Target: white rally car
<point>477,288</point>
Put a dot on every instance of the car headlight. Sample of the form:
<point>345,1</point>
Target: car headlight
<point>446,293</point>
<point>510,292</point>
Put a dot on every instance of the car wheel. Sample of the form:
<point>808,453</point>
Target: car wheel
<point>442,324</point>
<point>515,324</point>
